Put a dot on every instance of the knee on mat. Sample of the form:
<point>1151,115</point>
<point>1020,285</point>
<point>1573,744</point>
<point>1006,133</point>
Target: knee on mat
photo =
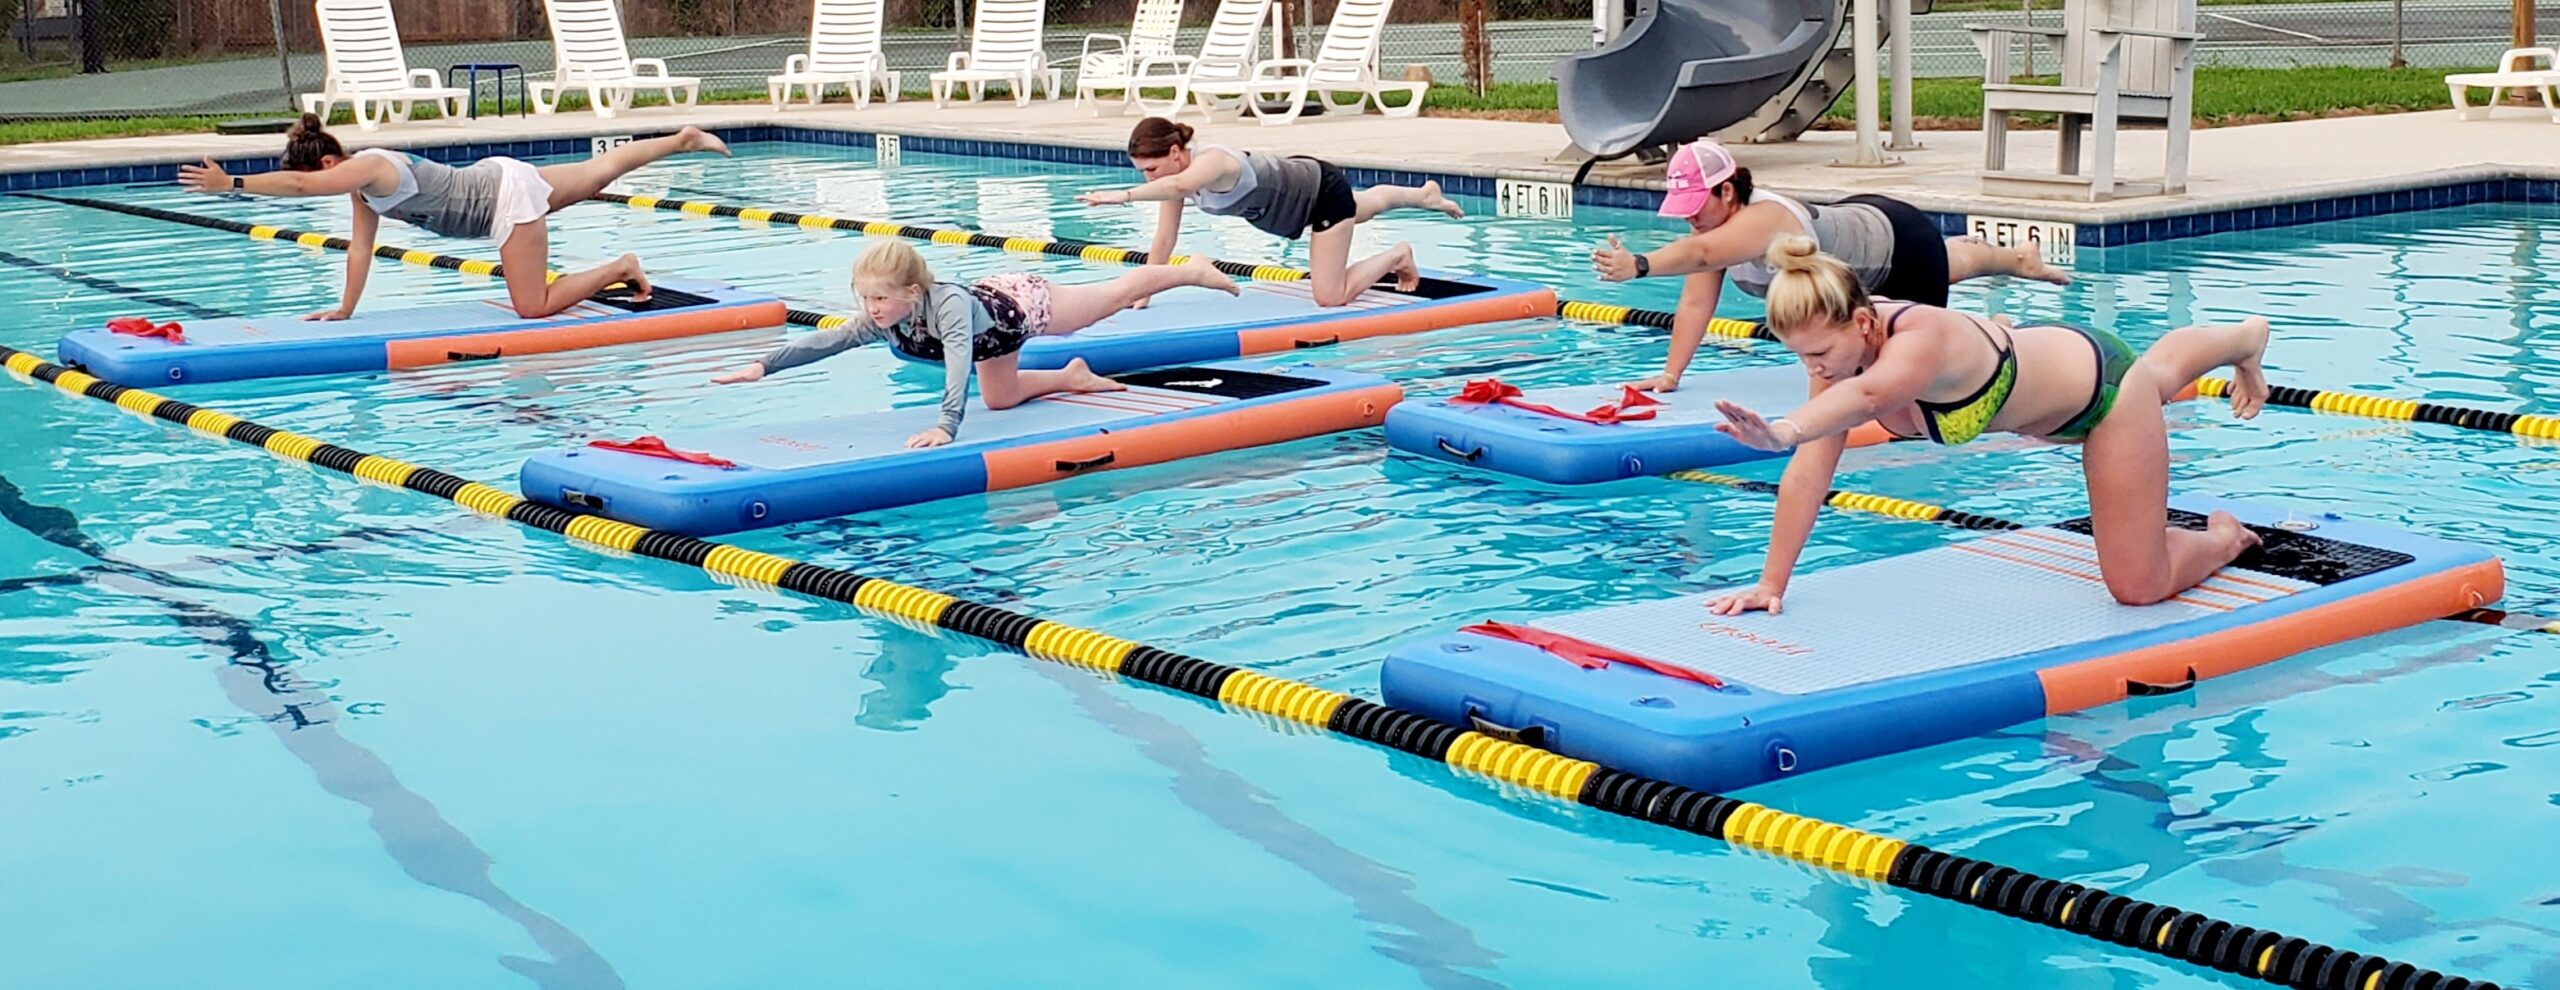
<point>2140,592</point>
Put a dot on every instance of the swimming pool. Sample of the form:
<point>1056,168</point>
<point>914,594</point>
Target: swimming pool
<point>301,729</point>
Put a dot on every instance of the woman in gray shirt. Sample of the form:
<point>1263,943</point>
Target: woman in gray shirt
<point>980,326</point>
<point>1285,196</point>
<point>502,199</point>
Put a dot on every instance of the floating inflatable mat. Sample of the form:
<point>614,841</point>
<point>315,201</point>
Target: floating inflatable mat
<point>1920,649</point>
<point>486,329</point>
<point>1191,325</point>
<point>756,476</point>
<point>1547,445</point>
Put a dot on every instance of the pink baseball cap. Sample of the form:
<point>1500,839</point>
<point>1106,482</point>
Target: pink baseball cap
<point>1694,170</point>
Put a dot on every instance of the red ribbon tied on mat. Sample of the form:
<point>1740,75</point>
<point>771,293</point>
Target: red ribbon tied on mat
<point>136,326</point>
<point>1631,404</point>
<point>654,447</point>
<point>1589,655</point>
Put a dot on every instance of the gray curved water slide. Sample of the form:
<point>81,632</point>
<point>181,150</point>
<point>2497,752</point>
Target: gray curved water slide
<point>1741,70</point>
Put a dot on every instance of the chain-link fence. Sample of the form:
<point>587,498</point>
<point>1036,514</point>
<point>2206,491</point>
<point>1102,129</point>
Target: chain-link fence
<point>71,58</point>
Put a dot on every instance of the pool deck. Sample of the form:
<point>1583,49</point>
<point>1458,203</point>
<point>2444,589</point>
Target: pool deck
<point>2230,167</point>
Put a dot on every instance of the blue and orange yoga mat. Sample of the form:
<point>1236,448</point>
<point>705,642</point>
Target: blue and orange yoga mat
<point>1593,433</point>
<point>1193,325</point>
<point>1922,648</point>
<point>142,353</point>
<point>702,482</point>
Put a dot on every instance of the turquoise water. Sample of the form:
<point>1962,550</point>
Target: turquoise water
<point>280,727</point>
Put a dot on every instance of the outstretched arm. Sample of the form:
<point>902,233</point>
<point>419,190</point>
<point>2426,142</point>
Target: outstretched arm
<point>1802,490</point>
<point>353,175</point>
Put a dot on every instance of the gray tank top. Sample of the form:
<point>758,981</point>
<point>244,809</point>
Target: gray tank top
<point>1276,195</point>
<point>1857,234</point>
<point>455,202</point>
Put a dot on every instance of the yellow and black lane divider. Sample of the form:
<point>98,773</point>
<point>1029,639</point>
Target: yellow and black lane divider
<point>475,266</point>
<point>2135,924</point>
<point>2387,407</point>
<point>1903,508</point>
<point>1588,312</point>
<point>2316,400</point>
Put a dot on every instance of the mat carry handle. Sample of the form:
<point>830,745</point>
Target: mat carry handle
<point>1088,464</point>
<point>2144,689</point>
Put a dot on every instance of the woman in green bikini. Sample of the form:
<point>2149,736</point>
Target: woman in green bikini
<point>1921,371</point>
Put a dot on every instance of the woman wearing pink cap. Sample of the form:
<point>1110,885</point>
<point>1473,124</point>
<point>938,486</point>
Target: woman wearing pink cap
<point>1894,249</point>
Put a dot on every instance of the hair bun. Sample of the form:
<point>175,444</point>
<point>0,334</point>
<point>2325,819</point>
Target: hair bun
<point>1794,253</point>
<point>1182,133</point>
<point>310,123</point>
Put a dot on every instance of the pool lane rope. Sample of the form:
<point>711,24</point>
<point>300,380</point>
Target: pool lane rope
<point>2340,403</point>
<point>2153,928</point>
<point>1587,312</point>
<point>1903,508</point>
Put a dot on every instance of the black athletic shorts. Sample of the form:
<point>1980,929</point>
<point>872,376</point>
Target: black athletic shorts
<point>1335,202</point>
<point>1919,273</point>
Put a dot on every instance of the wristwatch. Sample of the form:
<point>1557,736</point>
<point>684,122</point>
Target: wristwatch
<point>239,182</point>
<point>1644,266</point>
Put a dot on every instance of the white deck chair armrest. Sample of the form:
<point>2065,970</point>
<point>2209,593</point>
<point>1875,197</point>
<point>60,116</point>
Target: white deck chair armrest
<point>957,62</point>
<point>794,65</point>
<point>1178,63</point>
<point>425,79</point>
<point>1118,44</point>
<point>2143,32</point>
<point>1981,30</point>
<point>1269,68</point>
<point>641,67</point>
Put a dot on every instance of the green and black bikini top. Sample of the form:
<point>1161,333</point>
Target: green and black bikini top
<point>1958,422</point>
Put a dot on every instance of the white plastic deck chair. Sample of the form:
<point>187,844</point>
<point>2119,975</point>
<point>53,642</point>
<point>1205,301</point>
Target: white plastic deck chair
<point>1005,46</point>
<point>844,49</point>
<point>1111,61</point>
<point>1225,59</point>
<point>2515,71</point>
<point>589,52</point>
<point>368,72</point>
<point>2121,60</point>
<point>1348,62</point>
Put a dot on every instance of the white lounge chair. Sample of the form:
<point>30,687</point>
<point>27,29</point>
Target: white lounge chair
<point>1113,62</point>
<point>2514,72</point>
<point>367,70</point>
<point>589,52</point>
<point>1348,63</point>
<point>1225,59</point>
<point>844,49</point>
<point>1005,46</point>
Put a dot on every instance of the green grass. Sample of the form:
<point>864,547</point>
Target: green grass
<point>2222,95</point>
<point>31,131</point>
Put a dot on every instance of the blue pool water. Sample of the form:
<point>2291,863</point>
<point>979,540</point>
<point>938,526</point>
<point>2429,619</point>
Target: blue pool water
<point>262,725</point>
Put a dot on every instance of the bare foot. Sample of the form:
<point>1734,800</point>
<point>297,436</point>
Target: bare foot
<point>2031,265</point>
<point>1433,199</point>
<point>2227,526</point>
<point>1082,379</point>
<point>696,139</point>
<point>1205,274</point>
<point>1408,275</point>
<point>2249,389</point>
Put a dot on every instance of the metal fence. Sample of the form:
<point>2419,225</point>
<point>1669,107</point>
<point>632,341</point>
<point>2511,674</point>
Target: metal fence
<point>76,58</point>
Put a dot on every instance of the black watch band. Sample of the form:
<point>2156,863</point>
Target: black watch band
<point>1644,266</point>
<point>239,182</point>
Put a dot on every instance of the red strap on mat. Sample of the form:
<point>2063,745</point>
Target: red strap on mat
<point>136,326</point>
<point>1630,405</point>
<point>1589,655</point>
<point>654,447</point>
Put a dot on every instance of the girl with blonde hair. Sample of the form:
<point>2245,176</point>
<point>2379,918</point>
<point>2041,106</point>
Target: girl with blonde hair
<point>980,326</point>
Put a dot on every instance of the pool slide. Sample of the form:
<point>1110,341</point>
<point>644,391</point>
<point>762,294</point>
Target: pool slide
<point>1683,69</point>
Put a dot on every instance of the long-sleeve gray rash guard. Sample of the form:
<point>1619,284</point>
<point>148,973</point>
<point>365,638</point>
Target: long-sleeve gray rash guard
<point>952,317</point>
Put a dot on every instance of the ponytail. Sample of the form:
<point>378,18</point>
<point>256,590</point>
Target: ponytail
<point>308,144</point>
